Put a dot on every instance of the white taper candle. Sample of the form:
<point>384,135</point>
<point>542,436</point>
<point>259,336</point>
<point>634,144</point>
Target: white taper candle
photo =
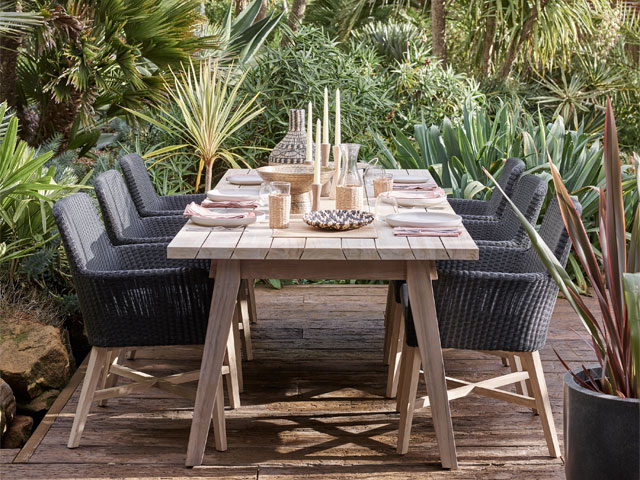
<point>316,170</point>
<point>309,133</point>
<point>338,140</point>
<point>325,117</point>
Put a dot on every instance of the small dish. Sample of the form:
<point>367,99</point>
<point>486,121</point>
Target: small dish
<point>340,220</point>
<point>229,195</point>
<point>223,222</point>
<point>424,220</point>
<point>411,179</point>
<point>245,180</point>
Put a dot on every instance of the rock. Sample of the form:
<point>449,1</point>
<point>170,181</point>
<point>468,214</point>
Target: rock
<point>39,405</point>
<point>18,432</point>
<point>7,406</point>
<point>33,357</point>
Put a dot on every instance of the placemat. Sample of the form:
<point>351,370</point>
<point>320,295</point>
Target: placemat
<point>299,229</point>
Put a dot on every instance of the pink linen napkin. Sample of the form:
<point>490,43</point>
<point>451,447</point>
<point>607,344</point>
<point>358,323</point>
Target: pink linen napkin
<point>415,186</point>
<point>427,232</point>
<point>229,204</point>
<point>198,210</point>
<point>432,193</point>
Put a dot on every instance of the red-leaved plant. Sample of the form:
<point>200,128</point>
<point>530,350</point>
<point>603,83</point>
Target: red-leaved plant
<point>615,281</point>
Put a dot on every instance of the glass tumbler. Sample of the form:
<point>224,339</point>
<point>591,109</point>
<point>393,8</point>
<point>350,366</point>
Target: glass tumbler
<point>279,205</point>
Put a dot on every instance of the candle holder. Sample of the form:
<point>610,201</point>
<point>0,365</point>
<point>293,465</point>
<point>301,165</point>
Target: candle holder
<point>325,152</point>
<point>316,190</point>
<point>337,171</point>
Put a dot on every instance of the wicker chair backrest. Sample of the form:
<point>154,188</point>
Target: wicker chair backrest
<point>509,176</point>
<point>83,234</point>
<point>528,197</point>
<point>139,183</point>
<point>120,214</point>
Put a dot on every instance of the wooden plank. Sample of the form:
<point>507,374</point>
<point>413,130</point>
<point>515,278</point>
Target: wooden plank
<point>220,244</point>
<point>286,248</point>
<point>299,229</point>
<point>254,243</point>
<point>391,247</point>
<point>323,249</point>
<point>360,249</point>
<point>324,269</point>
<point>188,241</point>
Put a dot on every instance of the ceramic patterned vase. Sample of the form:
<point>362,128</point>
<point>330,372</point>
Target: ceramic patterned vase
<point>292,149</point>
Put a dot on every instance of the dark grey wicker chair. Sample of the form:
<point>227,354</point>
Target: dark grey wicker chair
<point>145,197</point>
<point>130,296</point>
<point>124,224</point>
<point>495,206</point>
<point>507,230</point>
<point>503,306</point>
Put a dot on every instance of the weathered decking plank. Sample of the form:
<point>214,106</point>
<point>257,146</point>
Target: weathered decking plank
<point>313,406</point>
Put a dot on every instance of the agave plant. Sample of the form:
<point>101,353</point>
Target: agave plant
<point>210,113</point>
<point>615,279</point>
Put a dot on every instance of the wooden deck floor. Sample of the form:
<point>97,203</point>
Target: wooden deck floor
<point>313,407</point>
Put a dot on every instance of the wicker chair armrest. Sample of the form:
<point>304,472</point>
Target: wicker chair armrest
<point>493,257</point>
<point>145,307</point>
<point>492,310</point>
<point>153,256</point>
<point>468,207</point>
<point>178,202</point>
<point>162,227</point>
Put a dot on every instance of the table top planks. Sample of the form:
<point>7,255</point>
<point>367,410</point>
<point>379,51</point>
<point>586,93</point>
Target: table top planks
<point>256,241</point>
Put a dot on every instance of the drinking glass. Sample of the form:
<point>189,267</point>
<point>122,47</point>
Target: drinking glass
<point>279,204</point>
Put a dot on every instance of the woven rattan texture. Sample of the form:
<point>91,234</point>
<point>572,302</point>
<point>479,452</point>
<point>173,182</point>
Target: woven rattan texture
<point>495,206</point>
<point>131,295</point>
<point>147,201</point>
<point>502,302</point>
<point>122,221</point>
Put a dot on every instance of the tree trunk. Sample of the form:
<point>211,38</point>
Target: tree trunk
<point>208,176</point>
<point>263,11</point>
<point>59,117</point>
<point>489,34</point>
<point>240,5</point>
<point>297,14</point>
<point>438,30</point>
<point>517,43</point>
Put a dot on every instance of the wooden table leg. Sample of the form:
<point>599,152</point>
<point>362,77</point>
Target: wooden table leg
<point>425,320</point>
<point>223,304</point>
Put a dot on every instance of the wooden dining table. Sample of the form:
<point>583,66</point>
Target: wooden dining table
<point>255,252</point>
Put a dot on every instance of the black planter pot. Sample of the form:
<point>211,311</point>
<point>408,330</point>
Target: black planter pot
<point>601,433</point>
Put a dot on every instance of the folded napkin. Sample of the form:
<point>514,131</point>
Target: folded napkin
<point>229,204</point>
<point>413,195</point>
<point>198,210</point>
<point>427,232</point>
<point>415,186</point>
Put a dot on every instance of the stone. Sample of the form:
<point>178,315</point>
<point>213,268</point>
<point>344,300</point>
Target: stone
<point>33,357</point>
<point>39,405</point>
<point>7,406</point>
<point>18,432</point>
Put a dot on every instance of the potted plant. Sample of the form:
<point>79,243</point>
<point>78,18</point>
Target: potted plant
<point>601,404</point>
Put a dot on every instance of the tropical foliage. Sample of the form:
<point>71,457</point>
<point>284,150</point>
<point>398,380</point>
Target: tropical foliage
<point>613,273</point>
<point>210,111</point>
<point>28,189</point>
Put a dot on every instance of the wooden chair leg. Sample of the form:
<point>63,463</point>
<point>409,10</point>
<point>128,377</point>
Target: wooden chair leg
<point>407,397</point>
<point>237,340</point>
<point>533,365</point>
<point>251,295</point>
<point>396,345</point>
<point>97,359</point>
<point>219,426</point>
<point>108,379</point>
<point>245,316</point>
<point>506,361</point>
<point>524,387</point>
<point>131,355</point>
<point>387,322</point>
<point>233,389</point>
